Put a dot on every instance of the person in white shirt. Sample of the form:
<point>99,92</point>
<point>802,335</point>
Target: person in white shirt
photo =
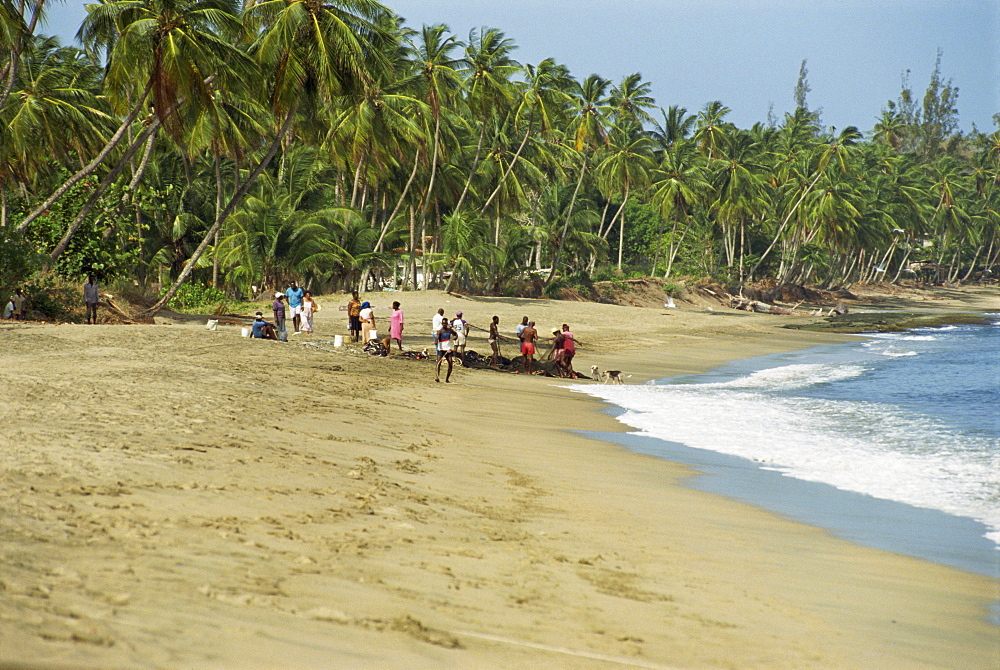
<point>91,296</point>
<point>436,327</point>
<point>458,325</point>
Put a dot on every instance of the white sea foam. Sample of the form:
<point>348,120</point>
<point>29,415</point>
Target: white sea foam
<point>864,447</point>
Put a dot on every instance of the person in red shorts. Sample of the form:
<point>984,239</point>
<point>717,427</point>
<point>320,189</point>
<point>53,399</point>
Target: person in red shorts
<point>528,337</point>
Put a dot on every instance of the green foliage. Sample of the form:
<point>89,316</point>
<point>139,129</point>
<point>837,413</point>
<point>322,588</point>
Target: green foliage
<point>195,297</point>
<point>54,297</point>
<point>18,260</point>
<point>673,289</point>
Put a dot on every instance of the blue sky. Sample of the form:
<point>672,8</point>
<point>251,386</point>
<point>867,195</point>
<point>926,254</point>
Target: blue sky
<point>745,53</point>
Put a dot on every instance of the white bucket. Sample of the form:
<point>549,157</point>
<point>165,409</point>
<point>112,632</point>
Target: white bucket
<point>338,340</point>
<point>245,332</point>
<point>372,334</point>
<point>213,324</point>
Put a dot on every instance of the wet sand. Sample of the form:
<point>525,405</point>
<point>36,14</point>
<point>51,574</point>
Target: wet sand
<point>179,498</point>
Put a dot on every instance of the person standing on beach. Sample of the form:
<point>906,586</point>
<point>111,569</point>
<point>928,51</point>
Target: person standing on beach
<point>569,351</point>
<point>528,337</point>
<point>309,307</point>
<point>91,296</point>
<point>354,316</point>
<point>443,347</point>
<point>436,325</point>
<point>295,295</point>
<point>458,326</point>
<point>396,325</point>
<point>520,328</point>
<point>494,340</point>
<point>367,316</point>
<point>278,308</point>
<point>558,351</point>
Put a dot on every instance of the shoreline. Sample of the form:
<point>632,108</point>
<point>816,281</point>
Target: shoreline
<point>345,511</point>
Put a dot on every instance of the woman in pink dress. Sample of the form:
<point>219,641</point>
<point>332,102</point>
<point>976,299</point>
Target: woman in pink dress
<point>396,325</point>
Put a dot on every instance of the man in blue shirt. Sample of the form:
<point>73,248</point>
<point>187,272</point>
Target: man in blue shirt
<point>295,295</point>
<point>262,330</point>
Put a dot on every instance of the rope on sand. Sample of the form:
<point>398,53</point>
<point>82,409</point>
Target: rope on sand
<point>630,662</point>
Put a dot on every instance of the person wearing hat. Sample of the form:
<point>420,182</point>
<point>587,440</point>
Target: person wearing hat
<point>8,310</point>
<point>367,316</point>
<point>458,326</point>
<point>262,330</point>
<point>278,307</point>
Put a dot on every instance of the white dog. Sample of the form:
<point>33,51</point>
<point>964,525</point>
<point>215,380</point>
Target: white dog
<point>609,376</point>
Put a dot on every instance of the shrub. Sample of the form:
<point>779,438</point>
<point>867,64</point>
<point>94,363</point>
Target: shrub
<point>191,297</point>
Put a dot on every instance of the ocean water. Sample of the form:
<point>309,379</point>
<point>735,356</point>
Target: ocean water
<point>892,440</point>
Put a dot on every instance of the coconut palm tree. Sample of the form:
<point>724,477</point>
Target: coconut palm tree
<point>310,53</point>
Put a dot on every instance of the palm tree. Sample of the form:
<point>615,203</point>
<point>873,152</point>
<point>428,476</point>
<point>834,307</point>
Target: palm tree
<point>589,111</point>
<point>627,165</point>
<point>678,185</point>
<point>488,72</point>
<point>177,51</point>
<point>310,53</point>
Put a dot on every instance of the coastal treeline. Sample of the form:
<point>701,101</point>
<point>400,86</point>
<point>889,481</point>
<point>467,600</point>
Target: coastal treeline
<point>233,146</point>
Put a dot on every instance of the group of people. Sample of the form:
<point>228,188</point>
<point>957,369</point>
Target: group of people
<point>563,348</point>
<point>302,307</point>
<point>16,306</point>
<point>450,335</point>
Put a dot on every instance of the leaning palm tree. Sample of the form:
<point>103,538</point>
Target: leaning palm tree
<point>627,166</point>
<point>310,53</point>
<point>589,109</point>
<point>177,52</point>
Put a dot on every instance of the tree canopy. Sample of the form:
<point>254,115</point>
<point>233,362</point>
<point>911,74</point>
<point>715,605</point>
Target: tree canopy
<point>244,144</point>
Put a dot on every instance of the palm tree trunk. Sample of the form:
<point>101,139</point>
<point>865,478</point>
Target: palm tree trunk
<point>972,265</point>
<point>101,189</point>
<point>399,203</point>
<point>781,228</point>
<point>472,172</point>
<point>621,226</point>
<point>11,70</point>
<point>230,206</point>
<point>413,248</point>
<point>569,215</point>
<point>510,168</point>
<point>430,183</point>
<point>88,169</point>
<point>218,210</point>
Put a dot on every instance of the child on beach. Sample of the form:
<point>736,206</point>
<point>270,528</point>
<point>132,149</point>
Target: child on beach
<point>443,344</point>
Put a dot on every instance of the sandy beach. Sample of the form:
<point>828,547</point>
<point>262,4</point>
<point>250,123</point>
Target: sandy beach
<point>175,497</point>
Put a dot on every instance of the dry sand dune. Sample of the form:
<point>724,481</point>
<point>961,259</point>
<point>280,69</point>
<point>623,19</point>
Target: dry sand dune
<point>179,498</point>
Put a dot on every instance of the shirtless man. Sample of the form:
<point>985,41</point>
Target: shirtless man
<point>528,337</point>
<point>494,340</point>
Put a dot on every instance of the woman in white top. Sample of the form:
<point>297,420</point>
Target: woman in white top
<point>367,321</point>
<point>309,307</point>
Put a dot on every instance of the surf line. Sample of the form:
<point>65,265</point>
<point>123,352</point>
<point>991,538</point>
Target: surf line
<point>630,662</point>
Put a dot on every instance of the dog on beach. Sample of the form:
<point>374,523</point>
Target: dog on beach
<point>609,376</point>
